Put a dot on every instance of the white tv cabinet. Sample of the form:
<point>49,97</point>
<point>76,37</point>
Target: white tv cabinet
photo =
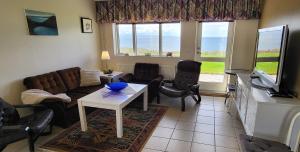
<point>263,116</point>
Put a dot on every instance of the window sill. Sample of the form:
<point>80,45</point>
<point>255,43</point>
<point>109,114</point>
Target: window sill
<point>154,56</point>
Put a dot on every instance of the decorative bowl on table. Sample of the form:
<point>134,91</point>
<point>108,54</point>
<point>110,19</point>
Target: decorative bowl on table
<point>116,86</point>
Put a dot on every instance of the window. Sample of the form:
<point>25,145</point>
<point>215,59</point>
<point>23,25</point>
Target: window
<point>171,38</point>
<point>125,39</point>
<point>212,50</point>
<point>148,39</point>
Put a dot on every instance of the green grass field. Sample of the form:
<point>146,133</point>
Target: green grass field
<point>214,67</point>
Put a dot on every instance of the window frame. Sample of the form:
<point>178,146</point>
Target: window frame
<point>134,40</point>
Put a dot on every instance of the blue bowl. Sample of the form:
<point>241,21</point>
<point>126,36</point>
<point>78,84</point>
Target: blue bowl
<point>116,86</point>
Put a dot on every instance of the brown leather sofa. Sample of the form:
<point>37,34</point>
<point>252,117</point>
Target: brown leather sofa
<point>63,81</point>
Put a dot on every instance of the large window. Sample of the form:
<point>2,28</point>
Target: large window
<point>212,47</point>
<point>149,39</point>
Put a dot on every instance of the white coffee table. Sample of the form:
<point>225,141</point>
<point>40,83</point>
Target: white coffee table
<point>107,99</point>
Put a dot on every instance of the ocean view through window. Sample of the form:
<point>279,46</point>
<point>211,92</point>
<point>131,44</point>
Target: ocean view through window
<point>149,39</point>
<point>212,46</point>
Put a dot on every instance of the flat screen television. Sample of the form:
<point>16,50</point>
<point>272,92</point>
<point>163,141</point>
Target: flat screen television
<point>270,56</point>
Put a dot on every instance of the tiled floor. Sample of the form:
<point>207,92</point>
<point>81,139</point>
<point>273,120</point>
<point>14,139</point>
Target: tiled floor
<point>201,128</point>
<point>206,127</point>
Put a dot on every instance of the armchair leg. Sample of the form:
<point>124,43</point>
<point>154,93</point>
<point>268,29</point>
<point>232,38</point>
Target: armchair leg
<point>158,98</point>
<point>31,142</point>
<point>182,104</point>
<point>199,97</point>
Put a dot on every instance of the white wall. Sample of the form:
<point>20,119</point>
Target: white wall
<point>244,44</point>
<point>23,55</point>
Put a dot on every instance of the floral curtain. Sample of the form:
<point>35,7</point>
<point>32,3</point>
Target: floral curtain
<point>143,11</point>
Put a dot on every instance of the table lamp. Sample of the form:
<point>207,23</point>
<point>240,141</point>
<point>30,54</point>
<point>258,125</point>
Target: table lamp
<point>105,56</point>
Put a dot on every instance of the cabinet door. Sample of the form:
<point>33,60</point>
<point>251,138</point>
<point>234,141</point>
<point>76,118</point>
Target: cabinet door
<point>238,98</point>
<point>251,114</point>
<point>244,102</point>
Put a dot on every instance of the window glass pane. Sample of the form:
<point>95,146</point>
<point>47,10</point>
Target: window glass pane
<point>171,39</point>
<point>212,71</point>
<point>214,39</point>
<point>147,39</point>
<point>125,39</point>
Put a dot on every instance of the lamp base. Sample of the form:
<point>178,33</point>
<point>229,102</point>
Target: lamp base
<point>109,71</point>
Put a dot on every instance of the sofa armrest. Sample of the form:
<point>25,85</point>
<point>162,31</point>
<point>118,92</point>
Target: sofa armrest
<point>30,106</point>
<point>127,77</point>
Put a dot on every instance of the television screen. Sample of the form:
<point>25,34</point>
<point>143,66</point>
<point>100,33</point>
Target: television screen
<point>268,52</point>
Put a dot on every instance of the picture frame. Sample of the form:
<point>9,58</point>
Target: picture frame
<point>86,25</point>
<point>41,23</point>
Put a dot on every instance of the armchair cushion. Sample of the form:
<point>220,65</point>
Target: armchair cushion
<point>145,71</point>
<point>172,91</point>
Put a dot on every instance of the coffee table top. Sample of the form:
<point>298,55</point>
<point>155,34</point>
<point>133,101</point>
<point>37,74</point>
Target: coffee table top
<point>105,98</point>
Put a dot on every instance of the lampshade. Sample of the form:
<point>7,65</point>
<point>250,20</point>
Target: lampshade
<point>105,55</point>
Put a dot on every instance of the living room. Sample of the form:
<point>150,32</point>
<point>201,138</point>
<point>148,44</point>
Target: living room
<point>211,45</point>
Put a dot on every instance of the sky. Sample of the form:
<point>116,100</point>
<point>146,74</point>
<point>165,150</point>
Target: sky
<point>215,29</point>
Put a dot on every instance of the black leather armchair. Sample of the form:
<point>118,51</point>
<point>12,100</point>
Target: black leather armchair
<point>14,128</point>
<point>145,73</point>
<point>185,82</point>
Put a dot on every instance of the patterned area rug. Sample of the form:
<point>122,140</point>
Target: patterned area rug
<point>101,135</point>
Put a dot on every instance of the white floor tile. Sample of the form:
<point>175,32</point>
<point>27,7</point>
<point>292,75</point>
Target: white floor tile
<point>206,113</point>
<point>182,135</point>
<point>182,125</point>
<point>205,120</point>
<point>157,143</point>
<point>225,131</point>
<point>207,107</point>
<point>205,128</point>
<point>167,123</point>
<point>203,138</point>
<point>225,141</point>
<point>223,149</point>
<point>179,146</point>
<point>196,147</point>
<point>150,150</point>
<point>162,132</point>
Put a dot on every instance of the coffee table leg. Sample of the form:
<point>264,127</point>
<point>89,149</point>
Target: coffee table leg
<point>82,116</point>
<point>146,99</point>
<point>119,123</point>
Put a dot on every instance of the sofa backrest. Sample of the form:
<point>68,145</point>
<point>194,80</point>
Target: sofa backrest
<point>146,71</point>
<point>71,77</point>
<point>50,82</point>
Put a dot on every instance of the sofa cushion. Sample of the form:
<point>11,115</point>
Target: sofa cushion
<point>71,77</point>
<point>87,90</point>
<point>89,78</point>
<point>50,82</point>
<point>146,71</point>
<point>74,97</point>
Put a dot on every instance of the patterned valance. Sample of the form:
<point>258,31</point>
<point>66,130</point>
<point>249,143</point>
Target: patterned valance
<point>143,11</point>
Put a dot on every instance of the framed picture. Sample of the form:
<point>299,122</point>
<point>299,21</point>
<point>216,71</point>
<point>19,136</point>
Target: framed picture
<point>86,25</point>
<point>41,23</point>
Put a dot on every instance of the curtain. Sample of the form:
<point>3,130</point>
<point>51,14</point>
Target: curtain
<point>149,11</point>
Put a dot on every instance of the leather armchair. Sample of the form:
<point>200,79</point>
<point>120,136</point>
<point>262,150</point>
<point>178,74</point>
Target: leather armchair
<point>185,82</point>
<point>14,128</point>
<point>145,73</point>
